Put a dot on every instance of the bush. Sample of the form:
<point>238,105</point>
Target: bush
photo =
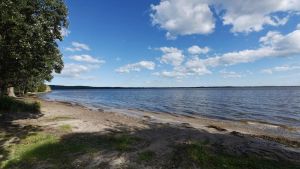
<point>42,88</point>
<point>8,104</point>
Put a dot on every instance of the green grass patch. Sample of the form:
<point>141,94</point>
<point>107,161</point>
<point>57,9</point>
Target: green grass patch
<point>146,156</point>
<point>65,128</point>
<point>32,148</point>
<point>9,104</point>
<point>122,142</point>
<point>189,155</point>
<point>42,148</point>
<point>59,118</point>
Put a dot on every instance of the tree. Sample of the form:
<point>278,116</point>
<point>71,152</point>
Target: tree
<point>29,52</point>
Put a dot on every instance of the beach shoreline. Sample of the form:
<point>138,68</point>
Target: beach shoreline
<point>254,128</point>
<point>155,133</point>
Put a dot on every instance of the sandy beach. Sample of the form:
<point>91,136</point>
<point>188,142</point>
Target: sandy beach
<point>160,131</point>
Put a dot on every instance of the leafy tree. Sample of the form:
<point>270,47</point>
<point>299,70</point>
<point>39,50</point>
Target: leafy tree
<point>30,30</point>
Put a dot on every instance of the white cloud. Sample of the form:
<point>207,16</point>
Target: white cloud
<point>181,17</point>
<point>298,26</point>
<point>283,68</point>
<point>273,44</point>
<point>171,56</point>
<point>136,67</point>
<point>193,66</point>
<point>196,66</point>
<point>87,58</point>
<point>271,38</point>
<point>64,32</point>
<point>252,15</point>
<point>76,46</point>
<point>196,50</point>
<point>230,74</point>
<point>73,70</point>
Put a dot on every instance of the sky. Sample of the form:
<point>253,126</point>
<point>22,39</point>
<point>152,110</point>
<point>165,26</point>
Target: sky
<point>181,43</point>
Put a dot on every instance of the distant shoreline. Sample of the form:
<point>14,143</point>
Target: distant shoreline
<point>60,87</point>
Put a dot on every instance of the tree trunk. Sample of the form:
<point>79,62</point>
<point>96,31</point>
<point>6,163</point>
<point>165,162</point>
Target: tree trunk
<point>11,92</point>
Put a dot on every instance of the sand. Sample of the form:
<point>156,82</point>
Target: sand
<point>162,130</point>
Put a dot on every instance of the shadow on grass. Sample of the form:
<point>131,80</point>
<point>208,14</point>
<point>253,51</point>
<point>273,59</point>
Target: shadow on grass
<point>159,146</point>
<point>15,109</point>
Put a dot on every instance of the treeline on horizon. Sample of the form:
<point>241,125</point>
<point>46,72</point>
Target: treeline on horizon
<point>61,87</point>
<point>29,53</point>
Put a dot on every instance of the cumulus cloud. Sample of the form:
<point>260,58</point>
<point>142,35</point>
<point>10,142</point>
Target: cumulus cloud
<point>298,26</point>
<point>230,74</point>
<point>252,15</point>
<point>197,50</point>
<point>171,56</point>
<point>74,70</point>
<point>273,44</point>
<point>76,46</point>
<point>193,66</point>
<point>181,17</point>
<point>136,67</point>
<point>283,68</point>
<point>87,59</point>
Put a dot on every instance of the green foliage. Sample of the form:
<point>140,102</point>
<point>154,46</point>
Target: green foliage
<point>146,156</point>
<point>42,88</point>
<point>189,155</point>
<point>28,41</point>
<point>8,104</point>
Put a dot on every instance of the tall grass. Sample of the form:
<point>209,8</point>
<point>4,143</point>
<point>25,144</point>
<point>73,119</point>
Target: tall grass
<point>12,105</point>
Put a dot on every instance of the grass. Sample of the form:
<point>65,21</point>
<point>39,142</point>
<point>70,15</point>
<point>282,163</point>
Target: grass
<point>122,142</point>
<point>146,156</point>
<point>189,155</point>
<point>32,148</point>
<point>8,104</point>
<point>42,148</point>
<point>59,118</point>
<point>65,128</point>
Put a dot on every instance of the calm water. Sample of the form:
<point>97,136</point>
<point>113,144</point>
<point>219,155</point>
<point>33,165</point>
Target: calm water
<point>279,105</point>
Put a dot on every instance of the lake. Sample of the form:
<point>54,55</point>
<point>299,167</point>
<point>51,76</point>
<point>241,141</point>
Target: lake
<point>276,105</point>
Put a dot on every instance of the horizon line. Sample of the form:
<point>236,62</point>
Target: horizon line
<point>78,86</point>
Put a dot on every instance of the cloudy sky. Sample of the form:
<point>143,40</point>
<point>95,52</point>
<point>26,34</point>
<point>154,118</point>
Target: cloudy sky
<point>181,43</point>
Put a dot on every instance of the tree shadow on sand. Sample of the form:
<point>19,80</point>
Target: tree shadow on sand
<point>12,133</point>
<point>158,146</point>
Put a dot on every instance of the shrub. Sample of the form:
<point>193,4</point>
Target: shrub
<point>42,88</point>
<point>8,104</point>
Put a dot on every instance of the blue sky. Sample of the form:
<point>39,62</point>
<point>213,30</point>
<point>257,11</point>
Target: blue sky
<point>181,43</point>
